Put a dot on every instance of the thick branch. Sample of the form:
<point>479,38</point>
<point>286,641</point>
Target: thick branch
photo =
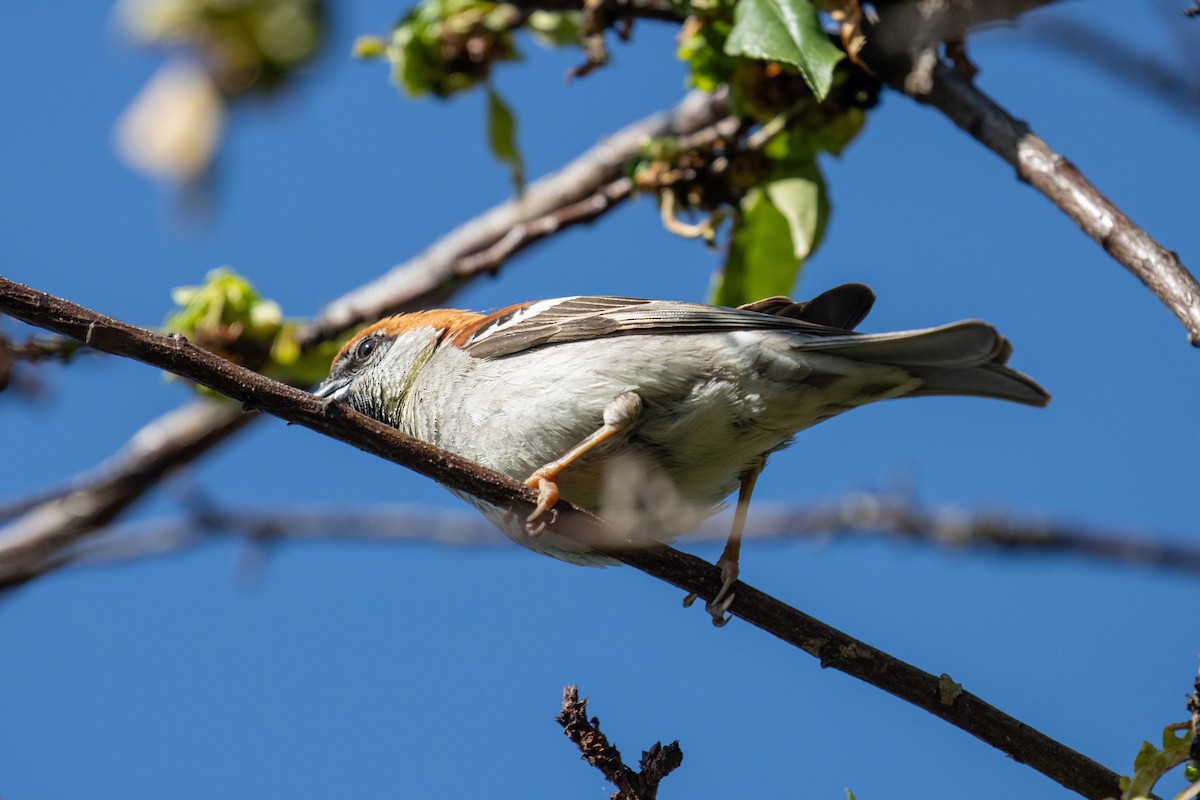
<point>834,648</point>
<point>1061,181</point>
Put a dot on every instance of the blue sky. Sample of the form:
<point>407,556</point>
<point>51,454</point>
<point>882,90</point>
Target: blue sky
<point>372,670</point>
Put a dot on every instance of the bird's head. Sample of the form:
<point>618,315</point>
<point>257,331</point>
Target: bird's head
<point>374,372</point>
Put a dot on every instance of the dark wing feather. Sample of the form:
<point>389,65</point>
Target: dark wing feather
<point>840,307</point>
<point>575,319</point>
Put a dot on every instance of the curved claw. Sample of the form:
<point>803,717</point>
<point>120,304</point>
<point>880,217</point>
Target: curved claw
<point>532,530</point>
<point>720,617</point>
<point>547,497</point>
<point>718,609</point>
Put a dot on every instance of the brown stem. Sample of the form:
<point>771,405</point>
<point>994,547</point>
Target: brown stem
<point>1061,181</point>
<point>657,763</point>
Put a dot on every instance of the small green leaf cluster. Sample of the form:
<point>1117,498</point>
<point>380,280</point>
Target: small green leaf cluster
<point>724,37</point>
<point>447,46</point>
<point>247,45</point>
<point>1151,763</point>
<point>443,47</point>
<point>228,316</point>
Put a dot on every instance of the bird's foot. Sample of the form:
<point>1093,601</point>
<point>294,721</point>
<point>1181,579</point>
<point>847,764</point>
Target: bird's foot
<point>547,489</point>
<point>719,606</point>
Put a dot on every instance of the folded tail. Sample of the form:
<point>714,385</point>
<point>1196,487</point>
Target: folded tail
<point>963,358</point>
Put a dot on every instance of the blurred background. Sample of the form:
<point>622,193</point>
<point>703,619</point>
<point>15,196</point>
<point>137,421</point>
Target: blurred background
<point>390,670</point>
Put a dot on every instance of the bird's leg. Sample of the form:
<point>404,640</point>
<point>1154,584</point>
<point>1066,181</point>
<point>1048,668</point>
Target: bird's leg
<point>619,416</point>
<point>728,562</point>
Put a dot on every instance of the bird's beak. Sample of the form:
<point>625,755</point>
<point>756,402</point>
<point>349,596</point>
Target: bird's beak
<point>333,388</point>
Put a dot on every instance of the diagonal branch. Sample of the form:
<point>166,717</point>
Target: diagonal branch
<point>939,696</point>
<point>581,191</point>
<point>1061,181</point>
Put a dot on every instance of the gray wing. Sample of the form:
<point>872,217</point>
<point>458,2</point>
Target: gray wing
<point>573,319</point>
<point>963,358</point>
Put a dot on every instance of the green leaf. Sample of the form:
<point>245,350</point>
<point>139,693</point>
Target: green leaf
<point>762,260</point>
<point>502,136</point>
<point>788,31</point>
<point>1150,764</point>
<point>802,202</point>
<point>443,47</point>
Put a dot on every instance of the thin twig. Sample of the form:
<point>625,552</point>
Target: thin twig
<point>657,763</point>
<point>525,234</point>
<point>834,648</point>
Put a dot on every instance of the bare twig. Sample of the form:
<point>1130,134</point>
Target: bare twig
<point>579,192</point>
<point>677,226</point>
<point>657,763</point>
<point>525,234</point>
<point>834,648</point>
<point>1057,178</point>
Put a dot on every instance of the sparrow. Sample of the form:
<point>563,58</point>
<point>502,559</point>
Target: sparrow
<point>650,412</point>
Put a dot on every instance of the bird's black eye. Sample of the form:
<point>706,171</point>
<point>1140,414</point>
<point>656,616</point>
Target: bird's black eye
<point>364,349</point>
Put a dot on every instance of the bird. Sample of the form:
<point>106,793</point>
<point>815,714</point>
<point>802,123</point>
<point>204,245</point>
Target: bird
<point>651,412</point>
